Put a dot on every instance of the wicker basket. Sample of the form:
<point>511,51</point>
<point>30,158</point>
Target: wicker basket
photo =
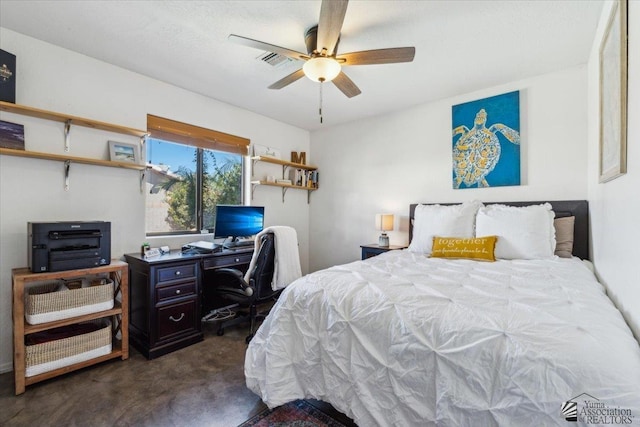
<point>63,352</point>
<point>43,305</point>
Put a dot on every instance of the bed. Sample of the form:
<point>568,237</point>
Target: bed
<point>409,339</point>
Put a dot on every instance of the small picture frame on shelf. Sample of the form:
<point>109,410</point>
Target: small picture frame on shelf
<point>152,253</point>
<point>123,152</point>
<point>11,135</point>
<point>263,150</point>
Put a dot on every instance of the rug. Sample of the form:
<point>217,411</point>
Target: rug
<point>292,414</point>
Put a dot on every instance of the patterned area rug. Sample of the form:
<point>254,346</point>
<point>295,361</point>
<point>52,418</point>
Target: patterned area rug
<point>292,414</point>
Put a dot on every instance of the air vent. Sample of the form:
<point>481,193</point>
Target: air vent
<point>275,59</point>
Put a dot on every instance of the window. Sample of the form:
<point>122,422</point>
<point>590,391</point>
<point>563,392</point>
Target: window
<point>191,170</point>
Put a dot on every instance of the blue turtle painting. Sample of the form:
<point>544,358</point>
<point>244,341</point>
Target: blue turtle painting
<point>477,151</point>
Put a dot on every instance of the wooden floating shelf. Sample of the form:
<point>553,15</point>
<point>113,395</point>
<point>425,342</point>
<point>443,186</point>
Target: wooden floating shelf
<point>64,158</point>
<point>278,184</point>
<point>285,164</point>
<point>284,188</point>
<point>74,120</point>
<point>273,160</point>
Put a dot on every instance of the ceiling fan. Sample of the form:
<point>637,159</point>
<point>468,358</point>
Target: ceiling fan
<point>322,63</point>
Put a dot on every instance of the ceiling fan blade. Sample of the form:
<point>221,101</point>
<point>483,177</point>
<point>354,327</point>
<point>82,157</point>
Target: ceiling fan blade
<point>346,85</point>
<point>331,18</point>
<point>379,56</point>
<point>268,47</point>
<point>288,79</point>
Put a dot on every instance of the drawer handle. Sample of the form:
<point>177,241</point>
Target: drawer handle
<point>177,291</point>
<point>177,273</point>
<point>178,319</point>
<point>237,259</point>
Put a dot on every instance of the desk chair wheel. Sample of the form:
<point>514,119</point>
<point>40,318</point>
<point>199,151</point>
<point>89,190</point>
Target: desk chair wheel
<point>220,332</point>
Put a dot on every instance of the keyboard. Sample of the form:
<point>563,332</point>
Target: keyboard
<point>240,244</point>
<point>201,247</point>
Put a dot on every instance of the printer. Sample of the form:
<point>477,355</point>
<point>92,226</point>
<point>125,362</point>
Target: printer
<point>65,245</point>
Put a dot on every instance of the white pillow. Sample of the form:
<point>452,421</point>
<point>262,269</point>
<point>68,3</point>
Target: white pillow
<point>523,232</point>
<point>444,221</point>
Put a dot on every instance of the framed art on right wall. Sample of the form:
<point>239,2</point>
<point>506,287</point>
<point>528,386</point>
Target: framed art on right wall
<point>613,95</point>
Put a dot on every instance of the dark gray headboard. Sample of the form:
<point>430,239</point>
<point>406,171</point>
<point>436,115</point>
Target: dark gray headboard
<point>577,208</point>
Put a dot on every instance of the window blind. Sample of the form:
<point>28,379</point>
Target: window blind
<point>171,130</point>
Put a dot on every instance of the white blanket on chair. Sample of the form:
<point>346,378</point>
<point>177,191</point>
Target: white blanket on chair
<point>287,258</point>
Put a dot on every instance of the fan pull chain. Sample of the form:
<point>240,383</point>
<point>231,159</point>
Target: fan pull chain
<point>320,108</point>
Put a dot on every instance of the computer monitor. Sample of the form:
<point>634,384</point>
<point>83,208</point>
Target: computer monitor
<point>238,221</point>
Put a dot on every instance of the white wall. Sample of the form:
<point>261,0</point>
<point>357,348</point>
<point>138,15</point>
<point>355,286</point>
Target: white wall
<point>615,204</point>
<point>385,163</point>
<point>55,79</point>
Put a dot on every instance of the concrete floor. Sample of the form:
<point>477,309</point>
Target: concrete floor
<point>201,385</point>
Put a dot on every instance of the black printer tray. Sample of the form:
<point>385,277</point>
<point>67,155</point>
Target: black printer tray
<point>69,259</point>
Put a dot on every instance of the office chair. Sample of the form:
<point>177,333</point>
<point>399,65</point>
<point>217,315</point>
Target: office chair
<point>251,294</point>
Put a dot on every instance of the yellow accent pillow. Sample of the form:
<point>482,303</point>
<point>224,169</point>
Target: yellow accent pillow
<point>478,248</point>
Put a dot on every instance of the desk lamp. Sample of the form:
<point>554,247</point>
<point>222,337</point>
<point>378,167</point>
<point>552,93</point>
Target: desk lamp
<point>384,222</point>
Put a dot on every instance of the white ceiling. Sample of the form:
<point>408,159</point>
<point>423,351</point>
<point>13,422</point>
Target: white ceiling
<point>461,46</point>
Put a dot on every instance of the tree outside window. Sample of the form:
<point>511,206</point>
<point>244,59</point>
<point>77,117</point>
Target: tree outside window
<point>185,183</point>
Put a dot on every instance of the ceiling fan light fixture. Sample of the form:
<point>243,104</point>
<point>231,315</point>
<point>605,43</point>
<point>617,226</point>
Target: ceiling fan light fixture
<point>321,69</point>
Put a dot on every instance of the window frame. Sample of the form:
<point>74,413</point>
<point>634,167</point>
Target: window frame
<point>201,139</point>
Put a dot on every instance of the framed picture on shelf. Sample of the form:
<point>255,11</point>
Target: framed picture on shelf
<point>263,150</point>
<point>123,152</point>
<point>11,135</point>
<point>613,95</point>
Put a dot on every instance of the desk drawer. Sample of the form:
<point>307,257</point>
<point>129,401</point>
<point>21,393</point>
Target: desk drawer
<point>227,260</point>
<point>174,291</point>
<point>182,271</point>
<point>176,319</point>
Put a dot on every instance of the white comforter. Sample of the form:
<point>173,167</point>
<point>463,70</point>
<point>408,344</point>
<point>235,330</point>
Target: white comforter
<point>405,340</point>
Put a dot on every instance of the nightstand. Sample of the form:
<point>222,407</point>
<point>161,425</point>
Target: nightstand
<point>372,249</point>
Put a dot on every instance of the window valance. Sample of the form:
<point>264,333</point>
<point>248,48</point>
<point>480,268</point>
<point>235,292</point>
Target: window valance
<point>171,130</point>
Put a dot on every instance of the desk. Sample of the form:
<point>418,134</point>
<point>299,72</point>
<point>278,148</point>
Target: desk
<point>167,296</point>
